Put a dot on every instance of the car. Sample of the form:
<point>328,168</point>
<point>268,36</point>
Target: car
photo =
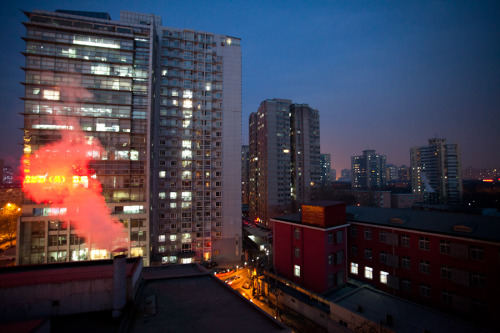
<point>247,285</point>
<point>233,279</point>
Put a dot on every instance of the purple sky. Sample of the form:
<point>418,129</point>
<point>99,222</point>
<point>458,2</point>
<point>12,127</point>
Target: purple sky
<point>384,76</point>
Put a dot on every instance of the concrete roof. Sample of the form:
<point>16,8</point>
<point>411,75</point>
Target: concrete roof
<point>18,276</point>
<point>407,317</point>
<point>483,227</point>
<point>190,300</point>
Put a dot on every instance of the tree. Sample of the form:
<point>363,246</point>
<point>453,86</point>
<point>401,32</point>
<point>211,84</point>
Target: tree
<point>8,221</point>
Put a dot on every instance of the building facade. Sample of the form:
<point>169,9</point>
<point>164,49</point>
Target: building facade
<point>245,174</point>
<point>326,169</point>
<point>310,248</point>
<point>368,171</point>
<point>445,261</point>
<point>284,158</point>
<point>154,102</point>
<point>436,172</point>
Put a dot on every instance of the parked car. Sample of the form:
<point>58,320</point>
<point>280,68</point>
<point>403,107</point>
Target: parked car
<point>233,279</point>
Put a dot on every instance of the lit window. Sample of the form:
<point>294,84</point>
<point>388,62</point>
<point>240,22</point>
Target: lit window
<point>173,238</point>
<point>296,270</point>
<point>162,174</point>
<point>52,95</point>
<point>161,238</point>
<point>383,277</point>
<point>354,268</point>
<point>161,195</point>
<point>187,103</point>
<point>188,94</point>
<point>369,273</point>
<point>173,195</point>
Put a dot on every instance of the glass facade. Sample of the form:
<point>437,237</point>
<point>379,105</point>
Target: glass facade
<point>153,98</point>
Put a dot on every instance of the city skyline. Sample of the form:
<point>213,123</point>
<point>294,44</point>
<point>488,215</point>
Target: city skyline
<point>383,76</point>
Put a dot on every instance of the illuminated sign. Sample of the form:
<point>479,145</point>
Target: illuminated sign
<point>42,179</point>
<point>488,180</point>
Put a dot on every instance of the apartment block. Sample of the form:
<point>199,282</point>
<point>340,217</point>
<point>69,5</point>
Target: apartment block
<point>165,104</point>
<point>284,147</point>
<point>368,171</point>
<point>436,172</point>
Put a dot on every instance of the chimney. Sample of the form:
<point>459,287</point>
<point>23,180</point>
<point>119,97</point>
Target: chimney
<point>119,285</point>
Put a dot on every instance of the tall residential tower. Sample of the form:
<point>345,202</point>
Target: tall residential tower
<point>368,171</point>
<point>436,171</point>
<point>284,158</point>
<point>165,103</point>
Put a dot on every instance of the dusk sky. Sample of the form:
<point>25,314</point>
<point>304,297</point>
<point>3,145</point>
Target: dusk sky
<point>383,75</point>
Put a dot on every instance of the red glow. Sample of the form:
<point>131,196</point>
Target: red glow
<point>58,174</point>
<point>488,180</point>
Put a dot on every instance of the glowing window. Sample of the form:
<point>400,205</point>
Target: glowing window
<point>52,95</point>
<point>187,154</point>
<point>296,270</point>
<point>173,195</point>
<point>161,195</point>
<point>383,277</point>
<point>186,143</point>
<point>354,268</point>
<point>161,238</point>
<point>186,196</point>
<point>187,94</point>
<point>162,174</point>
<point>369,273</point>
<point>187,103</point>
<point>134,155</point>
<point>173,238</point>
<point>208,86</point>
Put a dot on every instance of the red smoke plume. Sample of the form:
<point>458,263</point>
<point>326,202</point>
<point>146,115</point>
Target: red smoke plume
<point>58,174</point>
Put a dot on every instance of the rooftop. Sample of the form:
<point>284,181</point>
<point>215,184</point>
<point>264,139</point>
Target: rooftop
<point>459,225</point>
<point>406,316</point>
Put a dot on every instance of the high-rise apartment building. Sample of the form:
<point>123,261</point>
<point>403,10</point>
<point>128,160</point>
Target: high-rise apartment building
<point>284,158</point>
<point>155,103</point>
<point>245,174</point>
<point>436,172</point>
<point>368,171</point>
<point>325,165</point>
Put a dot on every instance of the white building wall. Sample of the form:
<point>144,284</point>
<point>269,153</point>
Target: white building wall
<point>230,244</point>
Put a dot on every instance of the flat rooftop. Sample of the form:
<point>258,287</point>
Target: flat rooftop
<point>407,317</point>
<point>189,299</point>
<point>18,276</point>
<point>480,227</point>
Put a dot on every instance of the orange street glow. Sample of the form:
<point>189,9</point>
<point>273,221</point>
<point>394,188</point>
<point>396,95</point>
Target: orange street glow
<point>488,180</point>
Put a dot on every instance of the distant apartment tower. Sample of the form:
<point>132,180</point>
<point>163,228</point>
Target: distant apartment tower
<point>245,174</point>
<point>326,165</point>
<point>404,173</point>
<point>345,175</point>
<point>8,175</point>
<point>436,172</point>
<point>166,106</point>
<point>392,174</point>
<point>284,157</point>
<point>368,171</point>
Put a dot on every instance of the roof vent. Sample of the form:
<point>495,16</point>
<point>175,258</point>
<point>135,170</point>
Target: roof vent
<point>397,220</point>
<point>462,228</point>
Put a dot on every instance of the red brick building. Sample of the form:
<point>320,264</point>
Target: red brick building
<point>447,261</point>
<point>310,248</point>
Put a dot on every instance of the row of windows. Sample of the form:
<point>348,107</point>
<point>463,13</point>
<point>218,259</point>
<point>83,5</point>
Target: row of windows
<point>475,252</point>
